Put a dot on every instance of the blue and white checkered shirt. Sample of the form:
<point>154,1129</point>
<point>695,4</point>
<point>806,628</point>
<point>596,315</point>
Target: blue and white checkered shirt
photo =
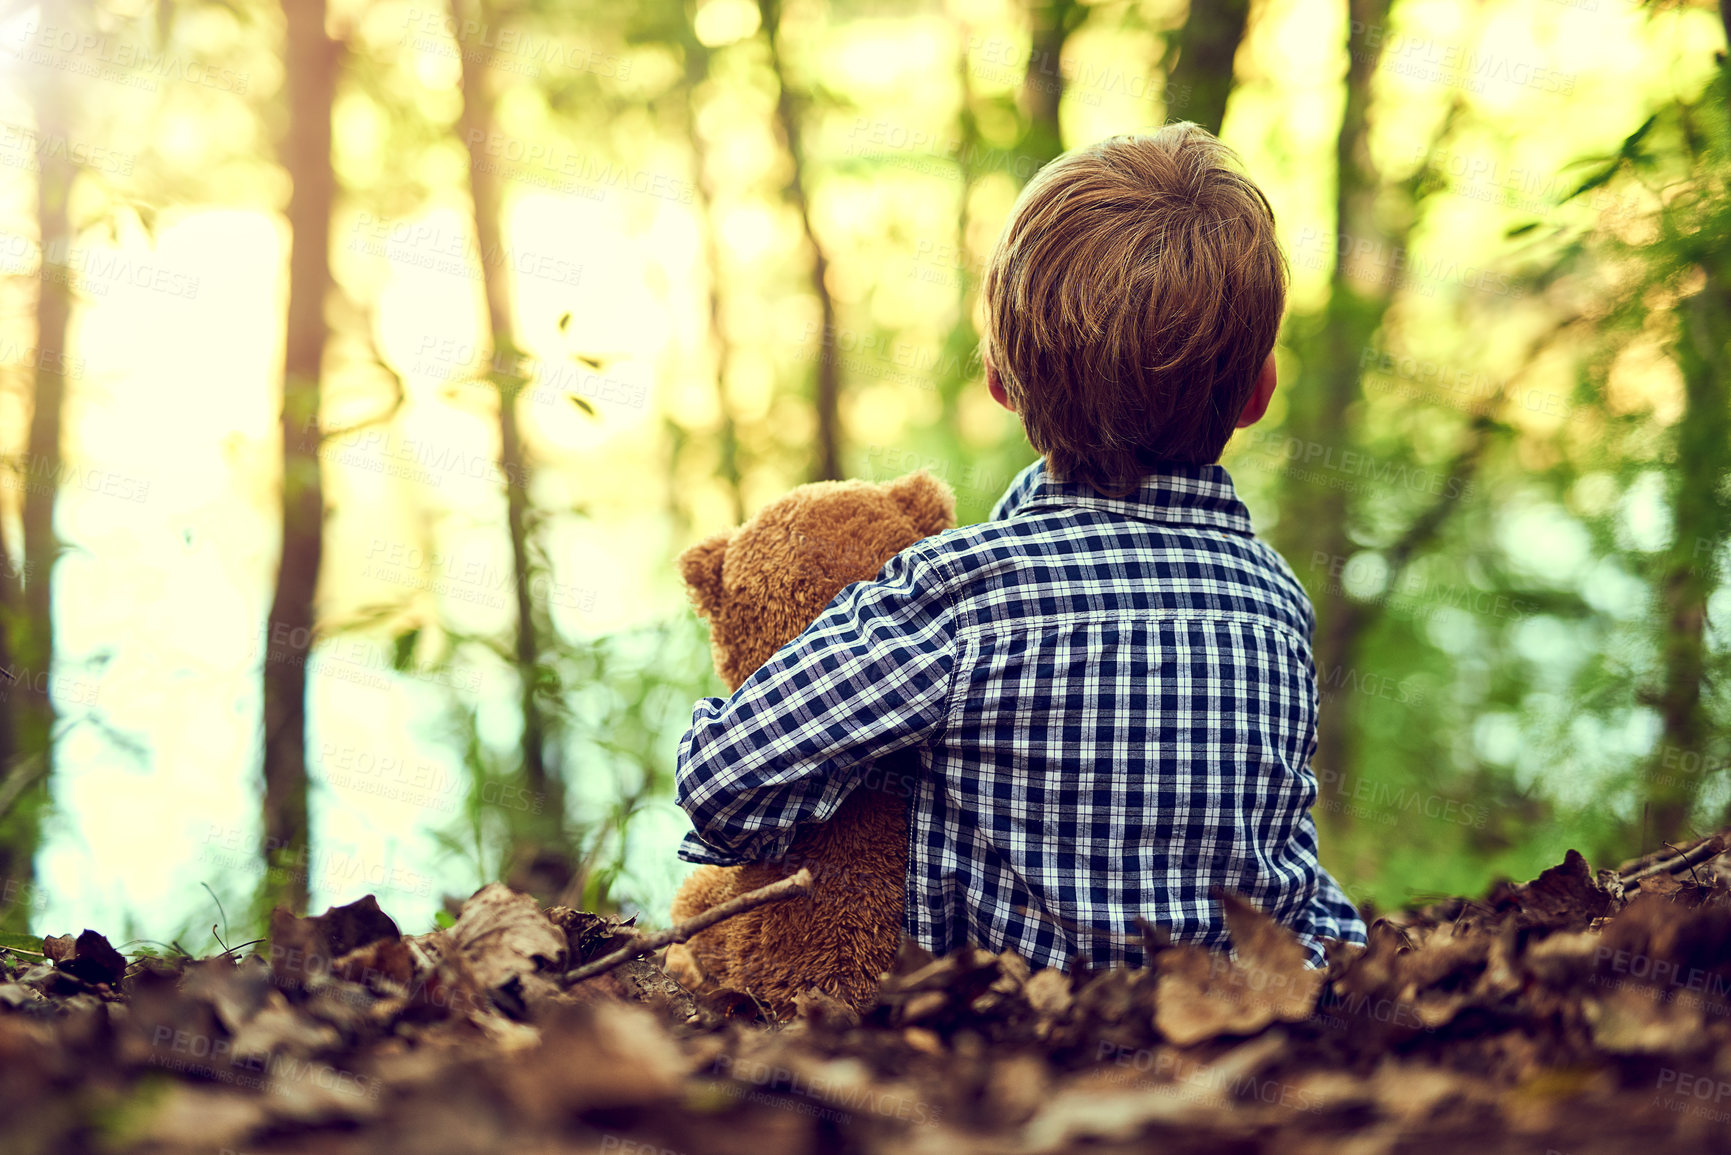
<point>1113,707</point>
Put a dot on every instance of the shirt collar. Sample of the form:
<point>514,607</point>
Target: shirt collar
<point>1178,494</point>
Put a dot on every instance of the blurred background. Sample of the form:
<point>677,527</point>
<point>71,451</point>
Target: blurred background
<point>364,367</point>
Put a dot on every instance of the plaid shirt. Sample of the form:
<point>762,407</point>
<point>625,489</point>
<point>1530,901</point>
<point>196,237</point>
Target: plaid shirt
<point>1113,707</point>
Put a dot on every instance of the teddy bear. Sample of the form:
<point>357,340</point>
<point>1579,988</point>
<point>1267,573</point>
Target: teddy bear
<point>758,587</point>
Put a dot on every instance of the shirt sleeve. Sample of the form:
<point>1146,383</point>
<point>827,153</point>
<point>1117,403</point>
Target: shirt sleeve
<point>1020,487</point>
<point>1333,916</point>
<point>869,676</point>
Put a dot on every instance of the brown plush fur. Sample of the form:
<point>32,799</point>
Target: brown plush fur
<point>759,586</point>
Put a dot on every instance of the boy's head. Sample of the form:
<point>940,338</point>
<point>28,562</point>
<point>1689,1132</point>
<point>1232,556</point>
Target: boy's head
<point>1132,302</point>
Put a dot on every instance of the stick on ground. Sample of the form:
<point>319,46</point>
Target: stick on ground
<point>790,887</point>
<point>1707,848</point>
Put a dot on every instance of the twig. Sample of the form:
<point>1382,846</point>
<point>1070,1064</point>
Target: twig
<point>1707,848</point>
<point>787,888</point>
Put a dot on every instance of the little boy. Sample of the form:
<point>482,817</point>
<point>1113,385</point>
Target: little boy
<point>1109,685</point>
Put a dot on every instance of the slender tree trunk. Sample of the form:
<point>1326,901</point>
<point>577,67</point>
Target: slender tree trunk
<point>1200,76</point>
<point>1040,141</point>
<point>963,340</point>
<point>1701,522</point>
<point>1050,24</point>
<point>540,849</point>
<point>311,60</point>
<point>827,399</point>
<point>27,650</point>
<point>696,71</point>
<point>1689,573</point>
<point>1314,517</point>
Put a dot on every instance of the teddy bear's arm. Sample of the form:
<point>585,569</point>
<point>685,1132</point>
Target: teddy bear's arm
<point>871,675</point>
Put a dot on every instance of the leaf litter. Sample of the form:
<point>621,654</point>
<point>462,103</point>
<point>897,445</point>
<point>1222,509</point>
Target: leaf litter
<point>1579,1012</point>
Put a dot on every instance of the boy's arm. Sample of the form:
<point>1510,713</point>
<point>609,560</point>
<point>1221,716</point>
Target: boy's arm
<point>870,675</point>
<point>1020,487</point>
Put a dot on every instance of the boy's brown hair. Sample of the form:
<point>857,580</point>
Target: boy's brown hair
<point>1132,299</point>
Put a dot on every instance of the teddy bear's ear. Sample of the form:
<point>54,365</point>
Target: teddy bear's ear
<point>927,501</point>
<point>700,566</point>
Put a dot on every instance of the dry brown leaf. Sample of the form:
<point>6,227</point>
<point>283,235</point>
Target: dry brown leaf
<point>1638,1021</point>
<point>1202,995</point>
<point>510,947</point>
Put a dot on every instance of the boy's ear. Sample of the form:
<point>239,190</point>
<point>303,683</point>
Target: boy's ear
<point>927,501</point>
<point>700,566</point>
<point>1256,406</point>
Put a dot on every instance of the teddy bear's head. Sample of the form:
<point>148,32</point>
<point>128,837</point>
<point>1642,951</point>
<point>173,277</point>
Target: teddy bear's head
<point>761,584</point>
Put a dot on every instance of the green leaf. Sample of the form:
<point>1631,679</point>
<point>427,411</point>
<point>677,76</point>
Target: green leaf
<point>1629,150</point>
<point>404,649</point>
<point>443,920</point>
<point>583,405</point>
<point>30,943</point>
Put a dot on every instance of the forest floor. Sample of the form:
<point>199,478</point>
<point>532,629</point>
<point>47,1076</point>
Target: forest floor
<point>1580,1012</point>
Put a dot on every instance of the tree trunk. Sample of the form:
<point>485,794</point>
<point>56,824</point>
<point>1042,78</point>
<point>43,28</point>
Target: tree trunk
<point>827,398</point>
<point>1050,24</point>
<point>27,649</point>
<point>1313,518</point>
<point>1200,76</point>
<point>539,850</point>
<point>1701,520</point>
<point>311,60</point>
<point>696,71</point>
